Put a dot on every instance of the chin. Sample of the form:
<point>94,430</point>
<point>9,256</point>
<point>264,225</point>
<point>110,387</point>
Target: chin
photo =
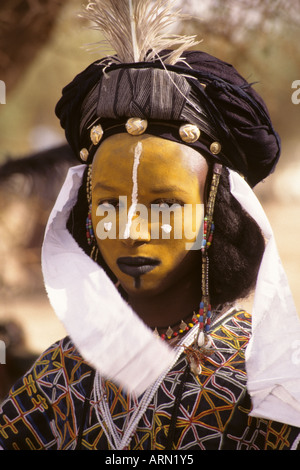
<point>144,288</point>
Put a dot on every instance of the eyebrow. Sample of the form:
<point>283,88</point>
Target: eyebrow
<point>158,190</point>
<point>167,189</point>
<point>104,186</point>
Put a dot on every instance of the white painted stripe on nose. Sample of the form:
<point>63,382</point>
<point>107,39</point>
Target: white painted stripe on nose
<point>134,194</point>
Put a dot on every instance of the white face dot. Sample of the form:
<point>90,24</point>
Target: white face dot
<point>166,228</point>
<point>108,226</point>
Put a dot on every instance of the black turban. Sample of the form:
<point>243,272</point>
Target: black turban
<point>230,110</point>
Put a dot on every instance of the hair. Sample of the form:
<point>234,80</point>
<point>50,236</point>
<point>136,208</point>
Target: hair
<point>234,256</point>
<point>236,251</point>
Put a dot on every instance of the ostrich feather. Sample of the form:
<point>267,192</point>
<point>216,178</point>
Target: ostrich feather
<point>136,29</point>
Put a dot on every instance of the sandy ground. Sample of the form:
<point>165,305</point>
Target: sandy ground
<point>42,328</point>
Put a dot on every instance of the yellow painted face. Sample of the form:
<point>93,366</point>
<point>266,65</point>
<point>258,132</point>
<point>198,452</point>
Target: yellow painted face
<point>147,210</point>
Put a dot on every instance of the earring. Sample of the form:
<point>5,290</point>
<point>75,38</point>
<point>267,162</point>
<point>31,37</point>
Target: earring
<point>89,185</point>
<point>94,253</point>
<point>196,353</point>
<point>90,236</point>
<point>89,227</point>
<point>208,231</point>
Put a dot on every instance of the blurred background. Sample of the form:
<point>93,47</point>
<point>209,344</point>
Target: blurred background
<point>43,45</point>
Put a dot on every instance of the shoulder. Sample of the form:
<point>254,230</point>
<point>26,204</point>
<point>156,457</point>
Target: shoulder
<point>232,331</point>
<point>52,374</point>
<point>47,397</point>
<point>224,375</point>
<point>58,367</point>
<point>233,318</point>
<point>60,354</point>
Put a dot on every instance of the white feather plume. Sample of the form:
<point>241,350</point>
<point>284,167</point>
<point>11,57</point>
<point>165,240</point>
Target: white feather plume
<point>136,29</point>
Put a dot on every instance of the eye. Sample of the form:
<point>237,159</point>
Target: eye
<point>167,203</point>
<point>163,204</point>
<point>108,203</point>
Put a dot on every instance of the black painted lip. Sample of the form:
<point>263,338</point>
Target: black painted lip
<point>136,266</point>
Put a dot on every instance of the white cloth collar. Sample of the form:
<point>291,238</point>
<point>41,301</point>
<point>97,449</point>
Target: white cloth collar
<point>112,338</point>
<point>273,355</point>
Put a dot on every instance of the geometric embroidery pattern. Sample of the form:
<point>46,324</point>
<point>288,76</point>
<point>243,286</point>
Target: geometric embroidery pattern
<point>53,406</point>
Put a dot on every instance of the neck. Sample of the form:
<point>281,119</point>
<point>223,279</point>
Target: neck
<point>169,307</point>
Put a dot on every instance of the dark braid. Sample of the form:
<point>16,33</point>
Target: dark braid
<point>237,249</point>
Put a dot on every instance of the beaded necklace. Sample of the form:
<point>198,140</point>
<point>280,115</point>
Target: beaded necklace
<point>173,331</point>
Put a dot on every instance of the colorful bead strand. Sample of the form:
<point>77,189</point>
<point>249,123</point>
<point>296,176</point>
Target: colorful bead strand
<point>89,227</point>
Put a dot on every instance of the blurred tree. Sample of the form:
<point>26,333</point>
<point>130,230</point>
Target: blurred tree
<point>235,18</point>
<point>25,27</point>
<point>261,39</point>
<point>246,27</point>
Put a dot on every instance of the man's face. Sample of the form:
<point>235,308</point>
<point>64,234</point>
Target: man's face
<point>135,182</point>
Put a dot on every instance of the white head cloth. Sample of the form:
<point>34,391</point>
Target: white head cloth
<point>112,338</point>
<point>273,355</point>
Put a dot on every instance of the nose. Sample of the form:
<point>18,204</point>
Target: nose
<point>136,231</point>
